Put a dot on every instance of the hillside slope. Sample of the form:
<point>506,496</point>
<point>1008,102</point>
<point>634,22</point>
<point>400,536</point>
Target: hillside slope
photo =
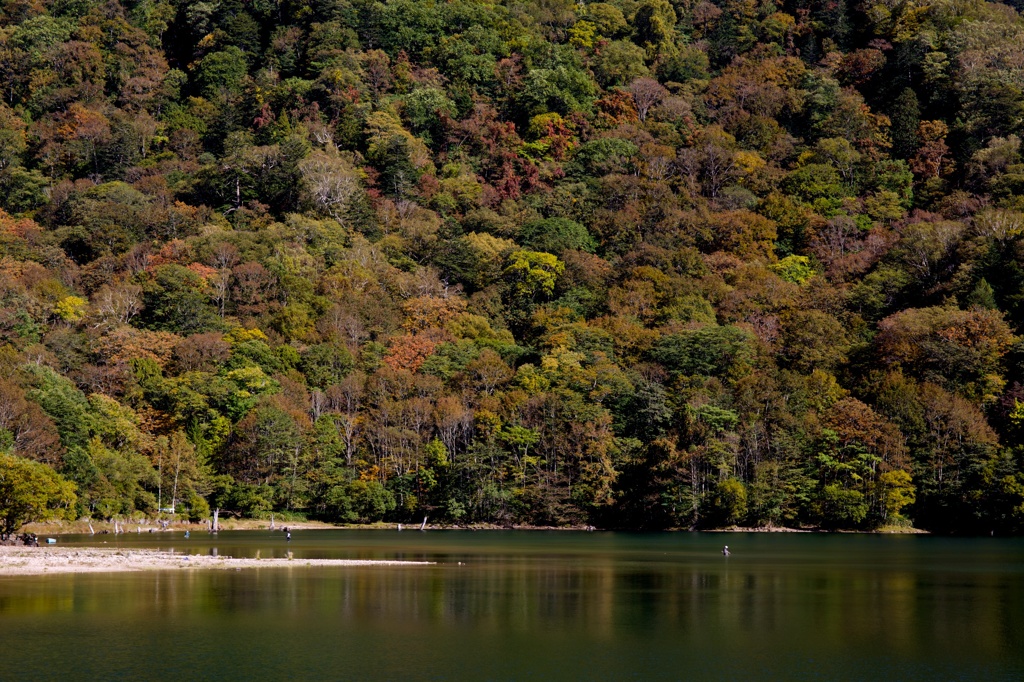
<point>633,264</point>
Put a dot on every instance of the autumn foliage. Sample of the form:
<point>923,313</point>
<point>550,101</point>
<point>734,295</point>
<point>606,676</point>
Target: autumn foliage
<point>628,264</point>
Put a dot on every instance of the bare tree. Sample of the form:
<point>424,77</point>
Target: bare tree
<point>116,304</point>
<point>224,256</point>
<point>646,93</point>
<point>344,324</point>
<point>331,183</point>
<point>346,399</point>
<point>318,404</point>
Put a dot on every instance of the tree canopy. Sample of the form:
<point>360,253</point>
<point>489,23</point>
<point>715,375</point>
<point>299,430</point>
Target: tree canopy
<point>30,491</point>
<point>628,263</point>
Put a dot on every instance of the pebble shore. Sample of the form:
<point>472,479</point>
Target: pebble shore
<point>53,560</point>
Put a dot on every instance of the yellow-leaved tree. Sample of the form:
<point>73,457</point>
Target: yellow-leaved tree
<point>30,491</point>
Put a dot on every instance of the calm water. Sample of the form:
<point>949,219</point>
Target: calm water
<point>534,606</point>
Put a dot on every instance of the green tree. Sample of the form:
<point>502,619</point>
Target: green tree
<point>555,235</point>
<point>532,274</point>
<point>221,71</point>
<point>30,491</point>
<point>729,503</point>
<point>619,63</point>
<point>709,351</point>
<point>563,90</point>
<point>326,364</point>
<point>838,507</point>
<point>655,22</point>
<point>176,299</point>
<point>905,117</point>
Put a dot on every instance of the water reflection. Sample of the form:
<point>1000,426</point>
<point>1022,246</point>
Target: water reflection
<point>549,607</point>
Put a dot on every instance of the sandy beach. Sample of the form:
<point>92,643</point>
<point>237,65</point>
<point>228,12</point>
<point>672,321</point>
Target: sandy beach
<point>53,560</point>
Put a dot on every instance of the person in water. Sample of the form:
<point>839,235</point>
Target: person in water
<point>288,536</point>
<point>186,535</point>
<point>725,550</point>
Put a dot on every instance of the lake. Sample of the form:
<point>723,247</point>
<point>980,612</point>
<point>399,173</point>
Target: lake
<point>511,605</point>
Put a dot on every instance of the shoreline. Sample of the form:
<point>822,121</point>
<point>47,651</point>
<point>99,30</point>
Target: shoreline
<point>149,526</point>
<point>884,530</point>
<point>21,561</point>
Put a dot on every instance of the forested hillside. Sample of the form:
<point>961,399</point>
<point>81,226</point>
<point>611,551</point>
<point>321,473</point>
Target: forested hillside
<point>634,264</point>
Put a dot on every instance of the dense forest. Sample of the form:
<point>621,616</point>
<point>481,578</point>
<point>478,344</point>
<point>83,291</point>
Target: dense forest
<point>635,264</point>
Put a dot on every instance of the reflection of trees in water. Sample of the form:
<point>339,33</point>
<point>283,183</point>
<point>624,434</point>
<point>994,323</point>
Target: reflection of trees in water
<point>898,606</point>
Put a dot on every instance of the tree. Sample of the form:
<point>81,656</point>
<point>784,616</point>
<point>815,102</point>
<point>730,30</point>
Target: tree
<point>555,235</point>
<point>533,274</point>
<point>960,349</point>
<point>25,428</point>
<point>729,503</point>
<point>181,474</point>
<point>221,71</point>
<point>896,491</point>
<point>646,93</point>
<point>82,132</point>
<point>710,164</point>
<point>744,233</point>
<point>252,290</point>
<point>813,340</point>
<point>957,446</point>
<point>332,184</point>
<point>326,364</point>
<point>837,507</point>
<point>264,444</point>
<point>116,304</point>
<point>62,402</point>
<point>30,491</point>
<point>565,88</point>
<point>709,351</point>
<point>345,399</point>
<point>12,138</point>
<point>655,22</point>
<point>620,63</point>
<point>176,299</point>
<point>932,159</point>
<point>634,263</point>
<point>905,117</point>
<point>201,353</point>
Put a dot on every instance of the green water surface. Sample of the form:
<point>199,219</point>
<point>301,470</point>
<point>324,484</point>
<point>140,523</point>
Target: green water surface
<point>507,605</point>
